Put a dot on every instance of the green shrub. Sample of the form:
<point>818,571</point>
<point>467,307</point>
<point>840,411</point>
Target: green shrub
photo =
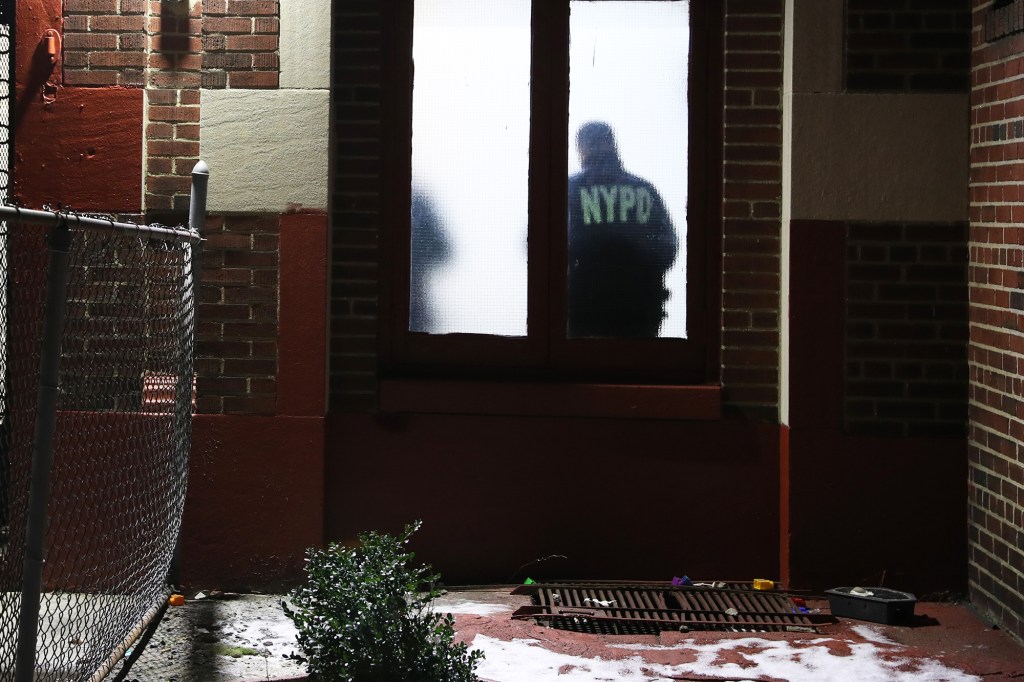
<point>363,615</point>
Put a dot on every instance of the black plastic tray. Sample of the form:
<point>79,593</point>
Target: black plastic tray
<point>874,604</point>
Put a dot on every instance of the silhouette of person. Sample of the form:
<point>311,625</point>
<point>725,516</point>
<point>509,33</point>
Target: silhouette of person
<point>429,250</point>
<point>621,244</point>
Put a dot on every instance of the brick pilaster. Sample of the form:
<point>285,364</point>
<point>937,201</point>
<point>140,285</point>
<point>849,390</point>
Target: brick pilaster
<point>996,350</point>
<point>752,207</point>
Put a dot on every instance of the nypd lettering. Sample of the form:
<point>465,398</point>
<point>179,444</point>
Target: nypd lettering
<point>616,203</point>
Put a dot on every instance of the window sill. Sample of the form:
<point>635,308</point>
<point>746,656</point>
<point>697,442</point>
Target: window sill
<point>551,400</point>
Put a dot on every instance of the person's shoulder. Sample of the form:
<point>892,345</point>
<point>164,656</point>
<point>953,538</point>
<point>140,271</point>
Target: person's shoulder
<point>634,179</point>
<point>638,181</point>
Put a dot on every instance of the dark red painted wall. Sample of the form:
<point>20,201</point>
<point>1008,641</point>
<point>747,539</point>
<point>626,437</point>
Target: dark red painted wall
<point>629,499</point>
<point>860,510</point>
<point>871,511</point>
<point>302,345</point>
<point>255,501</point>
<point>84,151</point>
<point>79,147</point>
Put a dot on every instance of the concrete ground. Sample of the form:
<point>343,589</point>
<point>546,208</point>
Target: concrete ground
<point>246,638</point>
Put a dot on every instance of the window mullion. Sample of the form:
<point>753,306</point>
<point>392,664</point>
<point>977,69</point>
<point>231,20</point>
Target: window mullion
<point>549,110</point>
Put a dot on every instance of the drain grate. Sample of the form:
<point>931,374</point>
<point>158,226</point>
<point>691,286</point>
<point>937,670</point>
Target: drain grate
<point>647,608</point>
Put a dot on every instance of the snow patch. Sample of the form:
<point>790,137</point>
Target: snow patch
<point>873,635</point>
<point>523,660</point>
<point>469,608</point>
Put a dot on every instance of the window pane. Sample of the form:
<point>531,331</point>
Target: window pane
<point>470,165</point>
<point>627,188</point>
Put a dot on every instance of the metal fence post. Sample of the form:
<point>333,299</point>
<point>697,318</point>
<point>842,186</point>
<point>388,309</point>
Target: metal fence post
<point>197,202</point>
<point>196,221</point>
<point>197,214</point>
<point>42,452</point>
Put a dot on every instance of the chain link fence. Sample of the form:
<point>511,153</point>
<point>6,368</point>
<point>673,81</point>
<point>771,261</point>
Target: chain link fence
<point>96,396</point>
<point>6,92</point>
<point>96,428</point>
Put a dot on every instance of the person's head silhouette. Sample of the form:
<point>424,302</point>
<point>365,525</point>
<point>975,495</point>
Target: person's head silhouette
<point>595,142</point>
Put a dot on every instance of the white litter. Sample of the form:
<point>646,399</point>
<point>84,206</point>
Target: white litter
<point>599,602</point>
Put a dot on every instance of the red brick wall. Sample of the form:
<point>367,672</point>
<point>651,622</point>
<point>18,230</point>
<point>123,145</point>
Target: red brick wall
<point>236,354</point>
<point>996,351</point>
<point>906,330</point>
<point>105,42</point>
<point>240,42</point>
<point>172,80</point>
<point>172,148</point>
<point>355,204</point>
<point>752,154</point>
<point>752,206</point>
<point>904,45</point>
<point>1006,17</point>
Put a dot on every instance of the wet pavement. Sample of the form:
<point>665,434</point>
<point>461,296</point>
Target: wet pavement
<point>247,638</point>
<point>224,638</point>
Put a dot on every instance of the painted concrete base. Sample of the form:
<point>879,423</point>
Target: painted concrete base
<point>505,497</point>
<point>255,501</point>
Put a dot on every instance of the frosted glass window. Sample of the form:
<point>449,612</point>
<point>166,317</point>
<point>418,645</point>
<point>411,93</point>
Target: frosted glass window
<point>627,209</point>
<point>470,166</point>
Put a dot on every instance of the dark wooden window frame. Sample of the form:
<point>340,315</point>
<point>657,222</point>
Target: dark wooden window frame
<point>495,373</point>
